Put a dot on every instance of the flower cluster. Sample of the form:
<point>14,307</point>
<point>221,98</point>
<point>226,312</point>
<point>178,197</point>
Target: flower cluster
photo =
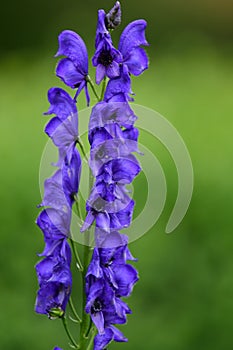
<point>54,275</point>
<point>113,140</point>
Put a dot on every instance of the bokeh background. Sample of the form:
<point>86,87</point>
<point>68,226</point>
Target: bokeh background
<point>185,296</point>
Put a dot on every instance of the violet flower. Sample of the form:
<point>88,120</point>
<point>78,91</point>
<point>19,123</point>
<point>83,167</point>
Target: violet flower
<point>73,70</point>
<point>55,280</point>
<point>106,58</point>
<point>134,57</point>
<point>63,128</point>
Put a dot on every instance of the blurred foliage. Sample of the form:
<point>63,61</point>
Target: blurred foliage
<point>184,297</point>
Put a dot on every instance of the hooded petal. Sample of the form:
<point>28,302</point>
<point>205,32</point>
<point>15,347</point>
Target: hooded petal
<point>137,61</point>
<point>61,104</point>
<point>72,46</point>
<point>68,73</point>
<point>132,37</point>
<point>102,340</point>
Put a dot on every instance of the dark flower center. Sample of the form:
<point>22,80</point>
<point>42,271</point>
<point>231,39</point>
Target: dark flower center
<point>96,307</point>
<point>105,58</point>
<point>109,262</point>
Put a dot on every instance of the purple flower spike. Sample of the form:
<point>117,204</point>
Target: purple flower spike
<point>131,39</point>
<point>57,348</point>
<point>73,69</point>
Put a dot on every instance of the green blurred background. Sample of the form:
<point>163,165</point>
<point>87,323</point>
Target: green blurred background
<point>185,296</point>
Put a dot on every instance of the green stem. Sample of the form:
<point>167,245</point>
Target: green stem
<point>82,149</point>
<point>73,342</point>
<point>78,260</point>
<point>87,251</point>
<point>74,311</point>
<point>89,80</point>
<point>93,333</point>
<point>77,203</point>
<point>103,88</point>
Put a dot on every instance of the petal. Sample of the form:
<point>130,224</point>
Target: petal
<point>62,105</point>
<point>125,276</point>
<point>101,341</point>
<point>54,222</point>
<point>54,195</point>
<point>118,335</point>
<point>71,170</point>
<point>101,30</point>
<point>68,73</point>
<point>73,46</point>
<point>113,70</point>
<point>63,133</point>
<point>125,170</point>
<point>100,73</point>
<point>137,61</point>
<point>93,291</point>
<point>119,85</point>
<point>98,320</point>
<point>132,37</point>
<point>94,268</point>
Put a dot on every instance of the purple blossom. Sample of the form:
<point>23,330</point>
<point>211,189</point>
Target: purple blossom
<point>55,226</point>
<point>55,280</point>
<point>63,128</point>
<point>106,58</point>
<point>119,88</point>
<point>131,39</point>
<point>73,69</point>
<point>111,333</point>
<point>108,278</point>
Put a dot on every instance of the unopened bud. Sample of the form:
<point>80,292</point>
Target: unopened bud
<point>113,17</point>
<point>55,313</point>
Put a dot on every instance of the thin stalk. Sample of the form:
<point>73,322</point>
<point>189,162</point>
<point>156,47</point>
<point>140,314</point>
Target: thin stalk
<point>93,333</point>
<point>103,88</point>
<point>74,311</point>
<point>89,80</point>
<point>78,208</point>
<point>87,251</point>
<point>78,260</point>
<point>82,149</point>
<point>73,342</point>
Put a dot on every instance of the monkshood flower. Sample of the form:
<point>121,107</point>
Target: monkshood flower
<point>73,70</point>
<point>108,279</point>
<point>134,61</point>
<point>63,128</point>
<point>55,282</point>
<point>134,57</point>
<point>106,58</point>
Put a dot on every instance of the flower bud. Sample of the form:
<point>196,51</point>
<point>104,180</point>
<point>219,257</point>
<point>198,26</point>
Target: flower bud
<point>113,17</point>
